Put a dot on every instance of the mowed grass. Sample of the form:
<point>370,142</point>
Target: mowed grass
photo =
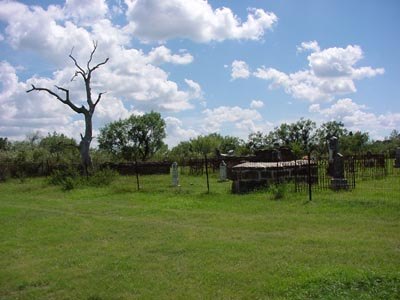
<point>181,243</point>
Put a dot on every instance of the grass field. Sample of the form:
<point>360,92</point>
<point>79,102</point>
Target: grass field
<point>180,243</point>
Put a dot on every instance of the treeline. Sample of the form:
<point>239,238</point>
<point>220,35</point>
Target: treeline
<point>141,138</point>
<point>302,137</point>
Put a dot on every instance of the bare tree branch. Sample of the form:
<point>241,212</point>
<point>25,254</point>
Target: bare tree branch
<point>91,55</point>
<point>66,101</point>
<point>98,65</point>
<point>81,71</point>
<point>76,74</point>
<point>98,98</point>
<point>73,77</point>
<point>64,90</point>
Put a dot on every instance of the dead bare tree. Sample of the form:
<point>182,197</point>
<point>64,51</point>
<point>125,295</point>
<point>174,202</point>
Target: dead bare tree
<point>88,111</point>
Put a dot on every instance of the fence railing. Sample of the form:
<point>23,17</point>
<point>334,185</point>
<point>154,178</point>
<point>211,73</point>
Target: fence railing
<point>356,169</point>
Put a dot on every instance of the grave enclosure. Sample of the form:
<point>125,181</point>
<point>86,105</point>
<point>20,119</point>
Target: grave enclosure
<point>318,174</point>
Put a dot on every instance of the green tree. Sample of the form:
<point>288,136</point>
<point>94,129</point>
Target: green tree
<point>303,133</point>
<point>231,143</point>
<point>135,138</point>
<point>114,139</point>
<point>354,143</point>
<point>326,131</point>
<point>4,144</point>
<point>283,134</point>
<point>60,147</point>
<point>256,141</point>
<point>181,152</point>
<point>205,144</point>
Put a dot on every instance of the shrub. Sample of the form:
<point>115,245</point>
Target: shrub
<point>102,177</point>
<point>21,175</point>
<point>68,184</point>
<point>278,191</point>
<point>4,174</point>
<point>63,176</point>
<point>69,178</point>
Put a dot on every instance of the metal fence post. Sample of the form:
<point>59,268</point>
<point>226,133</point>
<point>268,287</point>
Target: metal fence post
<point>309,178</point>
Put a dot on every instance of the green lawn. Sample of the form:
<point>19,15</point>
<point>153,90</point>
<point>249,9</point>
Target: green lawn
<point>181,243</point>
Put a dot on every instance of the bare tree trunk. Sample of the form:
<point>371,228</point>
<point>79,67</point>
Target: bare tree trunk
<point>86,74</point>
<point>84,145</point>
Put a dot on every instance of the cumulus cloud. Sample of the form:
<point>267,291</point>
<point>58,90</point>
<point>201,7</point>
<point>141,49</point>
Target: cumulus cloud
<point>356,116</point>
<point>177,132</point>
<point>48,32</point>
<point>86,11</point>
<point>256,104</point>
<point>236,115</point>
<point>26,114</point>
<point>240,69</point>
<point>311,45</point>
<point>133,79</point>
<point>154,20</point>
<point>162,54</point>
<point>331,72</point>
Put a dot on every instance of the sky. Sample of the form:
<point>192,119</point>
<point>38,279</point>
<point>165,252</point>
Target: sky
<point>227,66</point>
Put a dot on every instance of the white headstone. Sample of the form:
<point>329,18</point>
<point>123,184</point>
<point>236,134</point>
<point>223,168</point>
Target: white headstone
<point>222,171</point>
<point>175,174</point>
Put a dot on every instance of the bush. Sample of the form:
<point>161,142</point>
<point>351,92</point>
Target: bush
<point>102,177</point>
<point>64,177</point>
<point>68,184</point>
<point>278,191</point>
<point>21,175</point>
<point>69,178</point>
<point>4,173</point>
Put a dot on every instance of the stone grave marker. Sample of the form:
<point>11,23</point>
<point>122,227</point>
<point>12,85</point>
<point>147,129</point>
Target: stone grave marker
<point>222,171</point>
<point>336,165</point>
<point>175,174</point>
<point>397,158</point>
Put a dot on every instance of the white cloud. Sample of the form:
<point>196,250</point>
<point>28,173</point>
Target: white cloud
<point>306,46</point>
<point>301,85</point>
<point>85,11</point>
<point>332,73</point>
<point>44,32</point>
<point>236,121</point>
<point>28,113</point>
<point>240,69</point>
<point>338,110</point>
<point>195,88</point>
<point>256,104</point>
<point>110,109</point>
<point>162,54</point>
<point>154,20</point>
<point>357,117</point>
<point>177,132</point>
<point>214,118</point>
<point>131,78</point>
<point>339,62</point>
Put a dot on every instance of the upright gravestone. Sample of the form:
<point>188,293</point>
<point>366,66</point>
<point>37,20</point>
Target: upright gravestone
<point>397,158</point>
<point>222,171</point>
<point>175,174</point>
<point>336,165</point>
